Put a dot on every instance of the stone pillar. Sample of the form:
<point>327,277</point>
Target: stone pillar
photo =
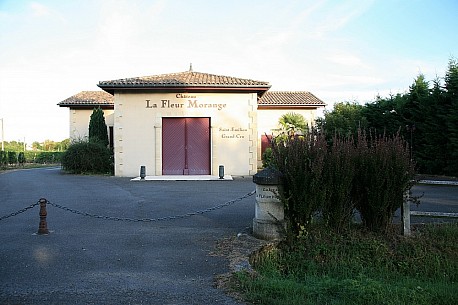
<point>268,223</point>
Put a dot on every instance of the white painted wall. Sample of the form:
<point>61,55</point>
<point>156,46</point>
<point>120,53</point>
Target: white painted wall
<point>79,122</point>
<point>138,129</point>
<point>236,128</point>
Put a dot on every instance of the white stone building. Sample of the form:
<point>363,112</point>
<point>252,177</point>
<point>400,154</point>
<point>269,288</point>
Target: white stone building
<point>187,123</point>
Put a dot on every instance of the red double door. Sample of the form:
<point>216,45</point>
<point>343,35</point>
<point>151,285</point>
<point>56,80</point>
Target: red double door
<point>186,146</point>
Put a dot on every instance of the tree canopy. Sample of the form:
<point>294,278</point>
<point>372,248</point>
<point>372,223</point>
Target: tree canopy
<point>426,116</point>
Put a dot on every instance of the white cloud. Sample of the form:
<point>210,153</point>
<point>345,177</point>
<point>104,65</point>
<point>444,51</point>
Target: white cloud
<point>346,59</point>
<point>43,11</point>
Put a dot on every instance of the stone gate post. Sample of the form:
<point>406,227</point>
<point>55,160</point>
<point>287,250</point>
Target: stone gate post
<point>268,223</point>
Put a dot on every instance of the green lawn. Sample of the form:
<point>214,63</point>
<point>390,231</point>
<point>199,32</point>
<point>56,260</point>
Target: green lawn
<point>357,268</point>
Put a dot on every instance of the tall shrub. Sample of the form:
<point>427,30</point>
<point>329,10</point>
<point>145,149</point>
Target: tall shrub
<point>340,171</point>
<point>21,158</point>
<point>98,128</point>
<point>384,173</point>
<point>12,157</point>
<point>301,161</point>
<point>3,158</point>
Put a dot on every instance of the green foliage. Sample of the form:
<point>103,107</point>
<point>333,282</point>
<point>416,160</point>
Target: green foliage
<point>340,173</point>
<point>384,173</point>
<point>14,146</point>
<point>12,157</point>
<point>425,116</point>
<point>21,158</point>
<point>3,158</point>
<point>88,158</point>
<point>300,160</point>
<point>48,157</point>
<point>371,175</point>
<point>43,157</point>
<point>345,120</point>
<point>357,267</point>
<point>451,102</point>
<point>97,127</point>
<point>293,123</point>
<point>267,158</point>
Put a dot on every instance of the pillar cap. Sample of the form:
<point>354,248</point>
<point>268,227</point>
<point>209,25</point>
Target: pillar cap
<point>268,176</point>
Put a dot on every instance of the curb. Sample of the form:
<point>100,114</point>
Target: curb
<point>436,182</point>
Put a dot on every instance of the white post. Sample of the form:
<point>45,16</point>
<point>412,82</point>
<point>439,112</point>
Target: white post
<point>405,214</point>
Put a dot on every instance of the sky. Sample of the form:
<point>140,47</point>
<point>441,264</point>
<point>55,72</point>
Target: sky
<point>339,50</point>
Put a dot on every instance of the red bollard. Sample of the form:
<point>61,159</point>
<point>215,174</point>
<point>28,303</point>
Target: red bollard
<point>43,226</point>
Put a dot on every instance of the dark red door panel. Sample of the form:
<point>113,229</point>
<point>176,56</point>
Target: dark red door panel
<point>173,146</point>
<point>186,146</point>
<point>198,146</point>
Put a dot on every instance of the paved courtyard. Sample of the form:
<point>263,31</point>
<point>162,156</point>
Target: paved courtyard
<point>90,260</point>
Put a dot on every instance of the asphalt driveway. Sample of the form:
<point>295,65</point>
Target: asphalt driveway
<point>88,260</point>
<point>168,259</point>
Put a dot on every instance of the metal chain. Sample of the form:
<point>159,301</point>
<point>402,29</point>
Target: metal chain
<point>20,211</point>
<point>217,207</point>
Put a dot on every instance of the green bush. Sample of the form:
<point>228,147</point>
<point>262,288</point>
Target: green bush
<point>47,157</point>
<point>267,158</point>
<point>371,175</point>
<point>384,174</point>
<point>3,158</point>
<point>340,170</point>
<point>88,157</point>
<point>12,157</point>
<point>301,161</point>
<point>21,158</point>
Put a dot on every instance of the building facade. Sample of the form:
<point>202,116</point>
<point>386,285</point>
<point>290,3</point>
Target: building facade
<point>188,123</point>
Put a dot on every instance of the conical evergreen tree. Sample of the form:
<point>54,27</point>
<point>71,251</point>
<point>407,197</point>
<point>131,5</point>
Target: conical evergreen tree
<point>451,100</point>
<point>434,152</point>
<point>97,127</point>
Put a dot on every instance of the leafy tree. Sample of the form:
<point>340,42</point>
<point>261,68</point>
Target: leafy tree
<point>49,145</point>
<point>344,119</point>
<point>14,146</point>
<point>98,128</point>
<point>37,146</point>
<point>63,145</point>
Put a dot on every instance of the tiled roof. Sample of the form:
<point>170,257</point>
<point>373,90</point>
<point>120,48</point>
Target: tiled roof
<point>188,79</point>
<point>290,98</point>
<point>88,98</point>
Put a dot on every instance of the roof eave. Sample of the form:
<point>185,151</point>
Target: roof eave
<point>290,106</point>
<point>87,106</point>
<point>220,88</point>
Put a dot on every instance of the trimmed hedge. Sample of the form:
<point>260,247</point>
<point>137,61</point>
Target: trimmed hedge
<point>12,158</point>
<point>88,158</point>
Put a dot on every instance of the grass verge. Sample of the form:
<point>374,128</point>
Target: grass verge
<point>357,267</point>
